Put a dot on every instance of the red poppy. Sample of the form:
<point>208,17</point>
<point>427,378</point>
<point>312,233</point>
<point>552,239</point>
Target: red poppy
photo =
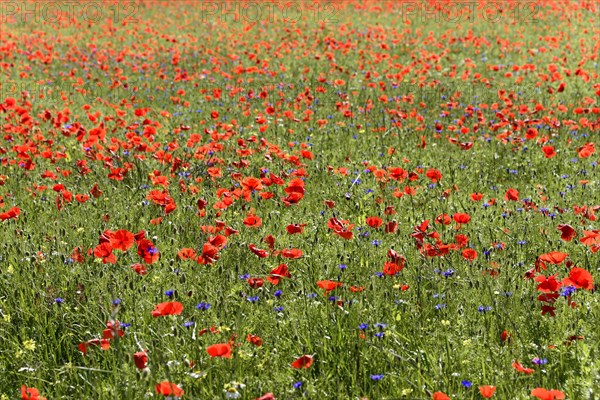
<point>443,219</point>
<point>303,362</point>
<point>329,285</point>
<point>121,240</point>
<point>259,252</point>
<point>219,350</point>
<point>266,396</point>
<point>291,253</point>
<point>567,232</point>
<point>434,175</point>
<point>548,284</point>
<point>549,151</point>
<point>111,330</point>
<point>139,269</point>
<point>374,222</point>
<point>140,359</point>
<point>295,228</point>
<point>476,196</point>
<point>391,268</point>
<point>253,221</point>
<point>391,227</point>
<point>277,273</point>
<point>13,213</point>
<point>104,344</point>
<point>167,308</point>
<point>209,255</point>
<point>167,388</point>
<point>186,254</point>
<point>254,339</point>
<point>104,251</point>
<point>147,251</point>
<point>580,278</point>
<point>30,394</point>
<point>520,368</point>
<point>469,254</point>
<point>487,391</point>
<point>461,218</point>
<point>554,257</point>
<point>545,394</point>
<point>512,194</point>
<point>255,283</point>
<point>440,396</point>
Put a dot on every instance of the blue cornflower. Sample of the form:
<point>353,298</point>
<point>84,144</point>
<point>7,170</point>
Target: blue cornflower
<point>169,293</point>
<point>278,308</point>
<point>440,306</point>
<point>187,324</point>
<point>116,302</point>
<point>253,299</point>
<point>466,383</point>
<point>377,377</point>
<point>539,361</point>
<point>59,300</point>
<point>297,385</point>
<point>278,293</point>
<point>568,291</point>
<point>203,306</point>
<point>363,326</point>
<point>448,273</point>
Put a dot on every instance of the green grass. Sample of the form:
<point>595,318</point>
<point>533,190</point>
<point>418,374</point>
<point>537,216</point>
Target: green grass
<point>424,349</point>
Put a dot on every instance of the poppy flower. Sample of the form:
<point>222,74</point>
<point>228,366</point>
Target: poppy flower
<point>548,151</point>
<point>167,308</point>
<point>186,254</point>
<point>104,251</point>
<point>253,221</point>
<point>277,273</point>
<point>13,213</point>
<point>259,252</point>
<point>391,268</point>
<point>443,219</point>
<point>548,284</point>
<point>554,257</point>
<point>147,251</point>
<point>295,228</point>
<point>209,255</point>
<point>374,222</point>
<point>121,240</point>
<point>167,388</point>
<point>469,254</point>
<point>254,339</point>
<point>512,194</point>
<point>520,368</point>
<point>434,175</point>
<point>30,394</point>
<point>291,253</point>
<point>461,218</point>
<point>303,362</point>
<point>104,344</point>
<point>567,232</point>
<point>219,350</point>
<point>440,396</point>
<point>139,269</point>
<point>266,396</point>
<point>545,394</point>
<point>328,285</point>
<point>255,283</point>
<point>580,278</point>
<point>487,391</point>
<point>140,359</point>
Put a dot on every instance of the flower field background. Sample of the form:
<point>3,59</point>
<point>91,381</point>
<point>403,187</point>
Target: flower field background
<point>345,200</point>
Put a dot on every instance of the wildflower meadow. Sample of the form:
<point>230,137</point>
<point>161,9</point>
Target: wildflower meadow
<point>299,199</point>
